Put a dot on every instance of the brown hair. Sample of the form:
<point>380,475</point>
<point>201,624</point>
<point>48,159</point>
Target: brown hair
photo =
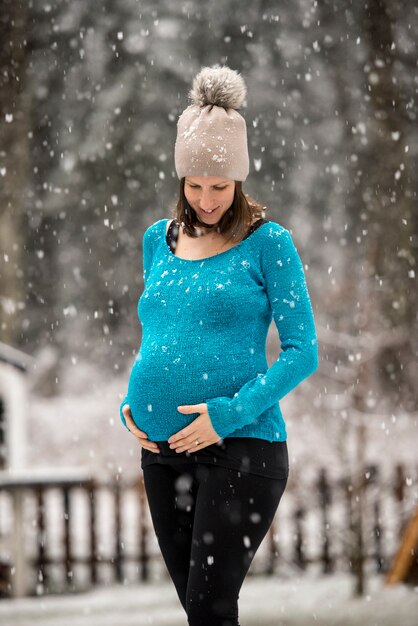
<point>235,221</point>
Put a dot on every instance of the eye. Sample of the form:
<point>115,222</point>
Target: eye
<point>221,188</point>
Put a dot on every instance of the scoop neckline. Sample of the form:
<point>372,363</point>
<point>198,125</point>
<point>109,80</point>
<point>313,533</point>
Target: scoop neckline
<point>207,258</point>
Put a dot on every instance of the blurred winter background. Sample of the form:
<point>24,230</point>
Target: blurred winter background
<point>90,93</point>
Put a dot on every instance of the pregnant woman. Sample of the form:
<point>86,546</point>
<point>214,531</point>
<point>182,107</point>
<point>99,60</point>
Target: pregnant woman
<point>201,399</point>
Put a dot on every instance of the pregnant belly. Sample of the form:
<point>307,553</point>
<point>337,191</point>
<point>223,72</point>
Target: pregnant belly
<point>158,385</point>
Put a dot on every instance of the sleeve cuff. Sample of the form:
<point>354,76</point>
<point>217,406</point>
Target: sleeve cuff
<point>224,417</point>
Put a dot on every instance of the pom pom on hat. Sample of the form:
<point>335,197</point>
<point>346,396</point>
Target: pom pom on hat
<point>211,133</point>
<point>222,87</point>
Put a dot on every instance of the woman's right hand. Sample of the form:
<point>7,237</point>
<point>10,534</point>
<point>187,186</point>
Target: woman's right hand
<point>139,434</point>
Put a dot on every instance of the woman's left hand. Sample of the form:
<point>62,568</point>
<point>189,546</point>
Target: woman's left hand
<point>200,429</point>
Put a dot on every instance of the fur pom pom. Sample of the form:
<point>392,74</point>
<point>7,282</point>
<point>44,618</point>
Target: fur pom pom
<point>220,86</point>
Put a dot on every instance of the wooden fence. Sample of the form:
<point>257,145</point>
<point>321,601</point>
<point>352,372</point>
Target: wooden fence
<point>68,535</point>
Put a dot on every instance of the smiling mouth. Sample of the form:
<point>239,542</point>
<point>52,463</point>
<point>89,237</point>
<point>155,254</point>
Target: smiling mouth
<point>209,212</point>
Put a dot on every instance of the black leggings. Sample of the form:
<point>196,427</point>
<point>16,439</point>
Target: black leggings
<point>209,522</point>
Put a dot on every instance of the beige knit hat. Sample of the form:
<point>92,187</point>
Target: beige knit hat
<point>211,134</point>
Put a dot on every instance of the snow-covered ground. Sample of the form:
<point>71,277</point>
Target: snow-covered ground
<point>326,601</point>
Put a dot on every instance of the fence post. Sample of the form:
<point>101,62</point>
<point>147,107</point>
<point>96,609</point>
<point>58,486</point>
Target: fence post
<point>68,559</point>
<point>42,574</point>
<point>299,558</point>
<point>373,479</point>
<point>19,580</point>
<point>358,552</point>
<point>377,533</point>
<point>91,492</point>
<point>324,490</point>
<point>399,492</point>
<point>118,532</point>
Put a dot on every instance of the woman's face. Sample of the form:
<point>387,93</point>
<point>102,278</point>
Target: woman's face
<point>209,196</point>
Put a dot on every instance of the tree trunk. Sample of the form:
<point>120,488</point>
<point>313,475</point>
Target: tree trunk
<point>14,127</point>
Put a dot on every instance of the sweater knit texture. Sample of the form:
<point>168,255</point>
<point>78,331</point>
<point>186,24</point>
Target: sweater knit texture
<point>204,330</point>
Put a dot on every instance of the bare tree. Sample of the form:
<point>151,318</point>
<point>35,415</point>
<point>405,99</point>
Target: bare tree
<point>14,127</point>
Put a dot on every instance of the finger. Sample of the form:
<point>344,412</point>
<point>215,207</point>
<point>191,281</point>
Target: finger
<point>150,445</point>
<point>146,443</point>
<point>190,445</point>
<point>183,443</point>
<point>193,447</point>
<point>132,426</point>
<point>203,443</point>
<point>126,410</point>
<point>180,437</point>
<point>193,408</point>
<point>135,430</point>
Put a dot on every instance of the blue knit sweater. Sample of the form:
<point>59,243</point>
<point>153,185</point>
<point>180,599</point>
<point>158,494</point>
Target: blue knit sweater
<point>204,329</point>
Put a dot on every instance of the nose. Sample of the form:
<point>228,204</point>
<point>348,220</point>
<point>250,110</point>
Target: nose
<point>206,200</point>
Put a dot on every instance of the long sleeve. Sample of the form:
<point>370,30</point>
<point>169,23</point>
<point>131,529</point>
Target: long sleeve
<point>285,285</point>
<point>147,252</point>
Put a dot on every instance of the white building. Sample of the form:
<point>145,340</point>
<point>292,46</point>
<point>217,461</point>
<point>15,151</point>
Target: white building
<point>14,406</point>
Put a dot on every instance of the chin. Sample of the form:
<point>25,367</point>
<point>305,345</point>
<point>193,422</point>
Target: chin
<point>201,221</point>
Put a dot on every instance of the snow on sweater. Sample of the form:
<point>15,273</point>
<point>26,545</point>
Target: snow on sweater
<point>204,329</point>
